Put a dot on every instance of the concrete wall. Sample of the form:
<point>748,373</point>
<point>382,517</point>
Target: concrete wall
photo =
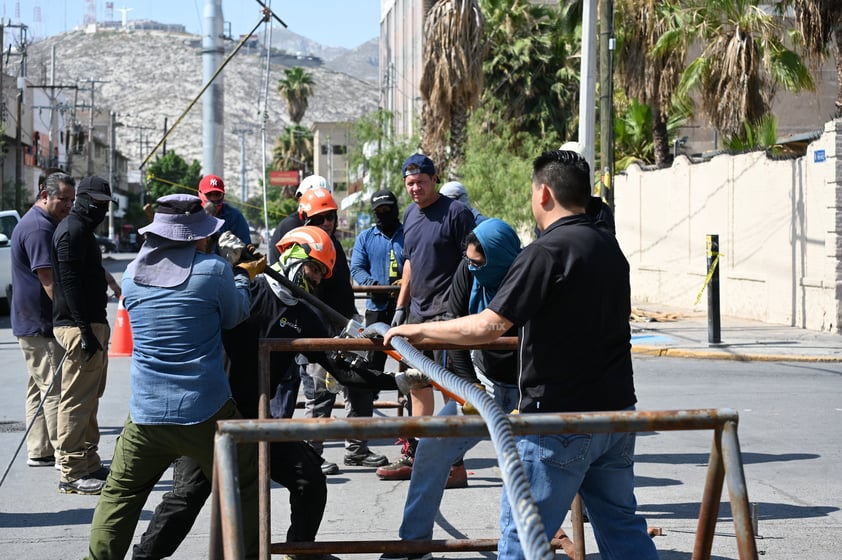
<point>779,225</point>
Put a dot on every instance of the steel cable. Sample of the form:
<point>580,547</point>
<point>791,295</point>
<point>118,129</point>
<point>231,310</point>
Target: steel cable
<point>533,537</point>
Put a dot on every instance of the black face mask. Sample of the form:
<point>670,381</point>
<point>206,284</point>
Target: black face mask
<point>387,222</point>
<point>91,211</point>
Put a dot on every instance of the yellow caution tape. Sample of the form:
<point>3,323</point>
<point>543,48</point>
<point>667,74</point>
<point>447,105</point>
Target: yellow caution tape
<point>707,279</point>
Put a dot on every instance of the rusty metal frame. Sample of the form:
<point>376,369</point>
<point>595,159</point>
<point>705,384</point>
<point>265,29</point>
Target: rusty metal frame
<point>725,463</point>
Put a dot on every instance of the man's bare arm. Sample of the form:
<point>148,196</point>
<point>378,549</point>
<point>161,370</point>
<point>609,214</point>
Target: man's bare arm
<point>480,328</point>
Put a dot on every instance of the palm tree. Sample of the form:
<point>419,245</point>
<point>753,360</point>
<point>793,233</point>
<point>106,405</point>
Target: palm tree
<point>651,59</point>
<point>296,88</point>
<point>820,26</point>
<point>743,61</point>
<point>531,70</point>
<point>293,149</point>
<point>451,81</point>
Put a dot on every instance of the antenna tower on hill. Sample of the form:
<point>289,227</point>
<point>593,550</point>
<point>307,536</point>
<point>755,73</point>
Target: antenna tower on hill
<point>90,11</point>
<point>36,20</point>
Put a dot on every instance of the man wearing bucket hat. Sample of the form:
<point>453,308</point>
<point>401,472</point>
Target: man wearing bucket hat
<point>80,325</point>
<point>307,256</point>
<point>179,298</point>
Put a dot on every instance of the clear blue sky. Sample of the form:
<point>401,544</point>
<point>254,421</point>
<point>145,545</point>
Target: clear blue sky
<point>333,23</point>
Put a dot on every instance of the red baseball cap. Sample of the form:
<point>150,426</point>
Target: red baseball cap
<point>210,183</point>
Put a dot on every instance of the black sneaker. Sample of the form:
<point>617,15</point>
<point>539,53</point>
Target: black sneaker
<point>404,556</point>
<point>101,473</point>
<point>41,461</point>
<point>369,459</point>
<point>86,485</point>
<point>329,468</point>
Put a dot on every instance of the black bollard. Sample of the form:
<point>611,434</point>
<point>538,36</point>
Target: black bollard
<point>712,243</point>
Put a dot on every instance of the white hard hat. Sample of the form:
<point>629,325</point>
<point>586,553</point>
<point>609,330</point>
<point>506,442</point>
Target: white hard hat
<point>456,191</point>
<point>573,146</point>
<point>312,182</point>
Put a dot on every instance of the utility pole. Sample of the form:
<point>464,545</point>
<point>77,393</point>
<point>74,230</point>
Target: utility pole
<point>112,179</point>
<point>2,115</point>
<point>587,83</point>
<point>54,107</point>
<point>92,84</point>
<point>241,132</point>
<point>19,114</point>
<point>606,99</point>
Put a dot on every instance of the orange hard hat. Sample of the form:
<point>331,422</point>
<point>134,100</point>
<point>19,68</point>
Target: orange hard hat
<point>314,202</point>
<point>315,242</point>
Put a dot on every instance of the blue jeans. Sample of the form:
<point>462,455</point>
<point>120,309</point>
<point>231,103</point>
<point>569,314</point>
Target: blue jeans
<point>598,466</point>
<point>431,467</point>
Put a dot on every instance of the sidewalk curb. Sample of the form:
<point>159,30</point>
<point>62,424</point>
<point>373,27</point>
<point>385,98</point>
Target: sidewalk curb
<point>661,351</point>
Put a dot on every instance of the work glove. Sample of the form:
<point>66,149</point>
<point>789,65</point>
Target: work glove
<point>231,248</point>
<point>400,316</point>
<point>468,408</point>
<point>332,384</point>
<point>90,344</point>
<point>411,379</point>
<point>252,268</point>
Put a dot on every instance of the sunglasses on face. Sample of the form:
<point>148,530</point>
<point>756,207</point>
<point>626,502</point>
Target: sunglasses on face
<point>319,219</point>
<point>473,262</point>
<point>317,265</point>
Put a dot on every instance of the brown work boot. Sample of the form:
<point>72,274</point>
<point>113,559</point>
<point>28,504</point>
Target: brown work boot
<point>402,468</point>
<point>458,476</point>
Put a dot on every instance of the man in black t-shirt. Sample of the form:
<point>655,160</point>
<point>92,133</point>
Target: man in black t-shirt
<point>435,228</point>
<point>568,293</point>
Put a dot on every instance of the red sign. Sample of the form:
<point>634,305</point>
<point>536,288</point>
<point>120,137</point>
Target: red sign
<point>283,178</point>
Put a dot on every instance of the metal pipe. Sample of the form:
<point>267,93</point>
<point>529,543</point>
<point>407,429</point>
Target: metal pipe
<point>471,426</point>
<point>34,416</point>
<point>737,491</point>
<point>225,455</point>
<point>294,429</point>
<point>577,517</point>
<point>711,496</point>
<point>363,344</point>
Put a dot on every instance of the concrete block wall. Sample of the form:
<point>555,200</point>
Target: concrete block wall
<point>779,225</point>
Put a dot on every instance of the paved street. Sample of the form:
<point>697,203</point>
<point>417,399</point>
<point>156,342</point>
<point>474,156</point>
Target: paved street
<point>790,432</point>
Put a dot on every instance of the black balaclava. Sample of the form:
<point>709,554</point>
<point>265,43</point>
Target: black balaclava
<point>387,222</point>
<point>91,212</point>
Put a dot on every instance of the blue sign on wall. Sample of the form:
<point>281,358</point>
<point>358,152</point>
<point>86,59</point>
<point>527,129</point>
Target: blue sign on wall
<point>819,156</point>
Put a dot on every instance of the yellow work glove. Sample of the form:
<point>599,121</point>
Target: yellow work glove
<point>468,408</point>
<point>253,268</point>
<point>331,384</point>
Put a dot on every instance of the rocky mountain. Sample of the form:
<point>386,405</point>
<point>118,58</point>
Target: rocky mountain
<point>147,76</point>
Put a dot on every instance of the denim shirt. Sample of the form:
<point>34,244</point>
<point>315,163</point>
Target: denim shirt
<point>370,260</point>
<point>177,371</point>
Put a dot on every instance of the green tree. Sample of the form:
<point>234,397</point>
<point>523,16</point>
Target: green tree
<point>497,171</point>
<point>743,61</point>
<point>451,80</point>
<point>378,155</point>
<point>531,68</point>
<point>763,135</point>
<point>296,88</point>
<point>293,149</point>
<point>652,55</point>
<point>819,24</point>
<point>170,174</point>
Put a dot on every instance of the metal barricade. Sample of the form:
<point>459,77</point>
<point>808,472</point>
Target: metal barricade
<point>226,528</point>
